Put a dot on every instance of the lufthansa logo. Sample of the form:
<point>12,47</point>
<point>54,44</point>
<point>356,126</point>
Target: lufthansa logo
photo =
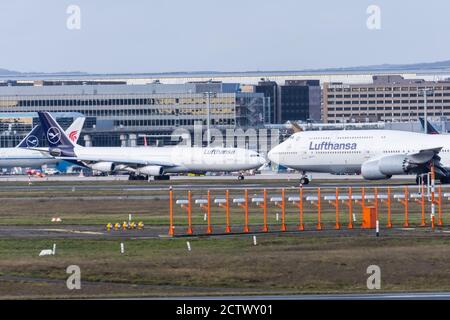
<point>53,135</point>
<point>32,141</point>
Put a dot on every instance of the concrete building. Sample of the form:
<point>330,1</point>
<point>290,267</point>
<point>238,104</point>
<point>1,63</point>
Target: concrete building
<point>390,98</point>
<point>300,100</point>
<point>119,114</point>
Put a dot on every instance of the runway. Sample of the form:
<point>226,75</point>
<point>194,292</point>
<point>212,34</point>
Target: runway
<point>311,297</point>
<point>59,231</point>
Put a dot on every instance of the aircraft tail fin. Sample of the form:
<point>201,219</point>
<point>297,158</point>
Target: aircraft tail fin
<point>296,127</point>
<point>74,131</point>
<point>33,139</point>
<point>53,132</point>
<point>430,128</point>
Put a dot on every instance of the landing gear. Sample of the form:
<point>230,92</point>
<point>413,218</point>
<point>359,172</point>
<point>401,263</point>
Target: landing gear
<point>241,177</point>
<point>133,177</point>
<point>304,178</point>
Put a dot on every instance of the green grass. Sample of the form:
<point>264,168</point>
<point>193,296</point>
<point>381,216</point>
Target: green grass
<point>278,264</point>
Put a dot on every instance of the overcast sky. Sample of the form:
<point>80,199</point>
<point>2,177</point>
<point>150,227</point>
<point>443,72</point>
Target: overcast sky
<point>227,35</point>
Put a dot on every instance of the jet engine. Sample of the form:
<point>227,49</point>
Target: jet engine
<point>150,170</point>
<point>102,166</point>
<point>385,167</point>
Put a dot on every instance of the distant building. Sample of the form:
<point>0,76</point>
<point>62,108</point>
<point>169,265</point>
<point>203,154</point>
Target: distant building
<point>293,101</point>
<point>270,91</point>
<point>300,100</point>
<point>118,114</point>
<point>387,98</point>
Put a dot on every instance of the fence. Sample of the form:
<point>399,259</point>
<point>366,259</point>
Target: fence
<point>264,210</point>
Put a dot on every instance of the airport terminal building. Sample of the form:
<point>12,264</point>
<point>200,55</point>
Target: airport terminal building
<point>389,98</point>
<point>120,114</point>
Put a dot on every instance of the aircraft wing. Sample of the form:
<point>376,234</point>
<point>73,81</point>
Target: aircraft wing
<point>424,155</point>
<point>120,161</point>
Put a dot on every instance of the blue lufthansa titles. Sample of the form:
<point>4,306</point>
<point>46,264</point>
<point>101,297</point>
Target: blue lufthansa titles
<point>327,145</point>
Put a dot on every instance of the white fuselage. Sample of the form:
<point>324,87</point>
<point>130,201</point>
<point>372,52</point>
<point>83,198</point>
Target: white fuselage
<point>344,151</point>
<point>18,157</point>
<point>178,159</point>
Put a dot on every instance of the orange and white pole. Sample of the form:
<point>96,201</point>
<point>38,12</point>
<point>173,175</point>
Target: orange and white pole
<point>283,211</point>
<point>208,212</point>
<point>189,213</point>
<point>422,203</point>
<point>301,227</point>
<point>406,224</point>
<point>350,208</point>
<point>319,223</point>
<point>171,213</point>
<point>440,206</point>
<point>246,228</point>
<point>389,223</point>
<point>336,203</point>
<point>433,200</point>
<point>227,211</point>
<point>265,228</point>
<point>376,202</point>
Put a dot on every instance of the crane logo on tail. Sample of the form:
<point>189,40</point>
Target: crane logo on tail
<point>53,135</point>
<point>32,142</point>
<point>73,135</point>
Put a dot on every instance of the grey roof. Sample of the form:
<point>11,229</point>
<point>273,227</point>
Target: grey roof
<point>153,88</point>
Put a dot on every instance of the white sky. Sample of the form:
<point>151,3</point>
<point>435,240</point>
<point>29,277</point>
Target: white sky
<point>228,35</point>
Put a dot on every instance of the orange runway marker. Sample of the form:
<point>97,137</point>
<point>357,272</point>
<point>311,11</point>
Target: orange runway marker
<point>171,232</point>
<point>301,227</point>
<point>246,228</point>
<point>264,207</point>
<point>226,206</point>
<point>439,203</point>
<point>189,213</point>
<point>422,205</point>
<point>319,223</point>
<point>350,208</point>
<point>388,203</point>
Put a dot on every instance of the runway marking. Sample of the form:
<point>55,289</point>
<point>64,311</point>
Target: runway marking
<point>69,231</point>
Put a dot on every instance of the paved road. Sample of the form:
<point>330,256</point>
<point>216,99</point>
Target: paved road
<point>59,231</point>
<point>363,296</point>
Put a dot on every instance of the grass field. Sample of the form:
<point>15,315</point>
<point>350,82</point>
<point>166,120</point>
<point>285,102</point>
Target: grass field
<point>308,262</point>
<point>277,265</point>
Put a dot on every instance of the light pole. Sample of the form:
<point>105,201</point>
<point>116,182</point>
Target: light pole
<point>208,117</point>
<point>425,92</point>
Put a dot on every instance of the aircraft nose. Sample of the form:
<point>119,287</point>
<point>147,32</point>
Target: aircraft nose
<point>272,154</point>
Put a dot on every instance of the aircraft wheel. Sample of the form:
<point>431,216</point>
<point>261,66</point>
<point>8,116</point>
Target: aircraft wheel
<point>241,177</point>
<point>304,180</point>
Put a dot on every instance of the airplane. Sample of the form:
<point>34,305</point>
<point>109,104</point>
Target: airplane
<point>142,163</point>
<point>30,151</point>
<point>375,154</point>
<point>430,128</point>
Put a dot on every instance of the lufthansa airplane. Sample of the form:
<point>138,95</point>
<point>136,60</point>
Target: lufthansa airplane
<point>375,154</point>
<point>142,162</point>
<point>30,151</point>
